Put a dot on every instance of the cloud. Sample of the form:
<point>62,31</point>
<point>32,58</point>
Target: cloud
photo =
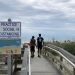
<point>26,2</point>
<point>50,17</point>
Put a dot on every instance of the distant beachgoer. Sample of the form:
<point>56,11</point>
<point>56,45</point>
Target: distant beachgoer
<point>40,43</point>
<point>32,46</point>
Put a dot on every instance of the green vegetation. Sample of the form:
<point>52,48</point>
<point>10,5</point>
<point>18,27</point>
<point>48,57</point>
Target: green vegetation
<point>67,45</point>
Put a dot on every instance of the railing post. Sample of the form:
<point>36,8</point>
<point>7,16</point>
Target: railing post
<point>10,64</point>
<point>43,53</point>
<point>73,71</point>
<point>53,59</point>
<point>61,60</point>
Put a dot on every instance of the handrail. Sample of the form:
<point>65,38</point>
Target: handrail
<point>26,63</point>
<point>64,52</point>
<point>65,70</point>
<point>62,56</point>
<point>29,64</point>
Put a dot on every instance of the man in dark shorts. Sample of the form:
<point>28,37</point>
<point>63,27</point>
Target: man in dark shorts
<point>32,46</point>
<point>40,42</point>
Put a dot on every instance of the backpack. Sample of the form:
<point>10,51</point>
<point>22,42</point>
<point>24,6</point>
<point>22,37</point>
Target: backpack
<point>32,42</point>
<point>40,39</point>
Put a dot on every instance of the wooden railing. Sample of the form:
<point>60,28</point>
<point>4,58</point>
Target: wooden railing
<point>61,62</point>
<point>26,69</point>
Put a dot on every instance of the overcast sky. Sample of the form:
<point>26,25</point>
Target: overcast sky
<point>51,18</point>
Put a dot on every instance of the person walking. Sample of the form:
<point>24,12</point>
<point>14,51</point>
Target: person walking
<point>32,46</point>
<point>40,43</point>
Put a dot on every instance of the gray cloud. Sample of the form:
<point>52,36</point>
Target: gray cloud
<point>62,0</point>
<point>5,8</point>
<point>42,17</point>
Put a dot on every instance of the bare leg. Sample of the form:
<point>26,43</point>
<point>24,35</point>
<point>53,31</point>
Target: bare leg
<point>39,52</point>
<point>31,53</point>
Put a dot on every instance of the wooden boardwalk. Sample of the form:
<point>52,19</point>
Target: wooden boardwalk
<point>40,66</point>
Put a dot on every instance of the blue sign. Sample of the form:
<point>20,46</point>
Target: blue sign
<point>10,42</point>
